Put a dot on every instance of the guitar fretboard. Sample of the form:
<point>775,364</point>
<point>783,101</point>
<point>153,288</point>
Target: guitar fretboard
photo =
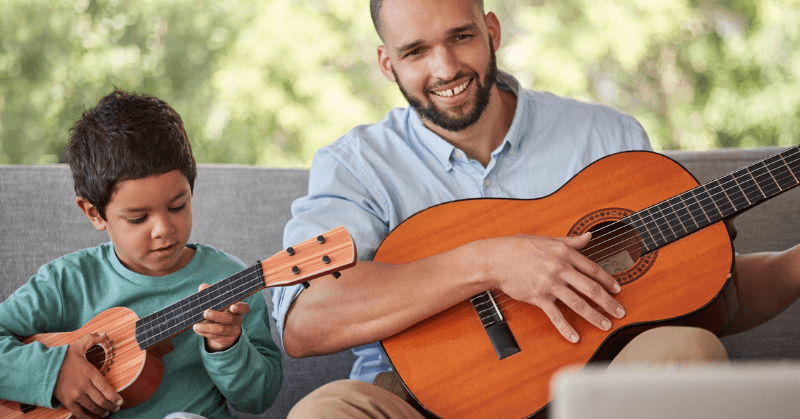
<point>706,204</point>
<point>159,326</point>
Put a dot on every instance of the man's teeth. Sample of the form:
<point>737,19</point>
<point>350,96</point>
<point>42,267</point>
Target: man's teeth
<point>451,92</point>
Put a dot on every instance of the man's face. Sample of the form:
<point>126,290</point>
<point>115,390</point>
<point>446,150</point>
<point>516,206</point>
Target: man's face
<point>441,55</point>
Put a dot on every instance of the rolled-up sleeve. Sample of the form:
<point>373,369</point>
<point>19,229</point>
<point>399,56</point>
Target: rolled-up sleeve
<point>336,197</point>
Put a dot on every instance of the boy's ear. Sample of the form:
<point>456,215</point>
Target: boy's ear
<point>91,213</point>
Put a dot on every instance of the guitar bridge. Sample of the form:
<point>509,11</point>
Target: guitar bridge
<point>495,325</point>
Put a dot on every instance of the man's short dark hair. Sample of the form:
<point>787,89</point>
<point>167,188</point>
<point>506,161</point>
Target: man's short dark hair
<point>126,136</point>
<point>375,12</point>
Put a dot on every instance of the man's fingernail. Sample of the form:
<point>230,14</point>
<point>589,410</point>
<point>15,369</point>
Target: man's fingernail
<point>620,312</point>
<point>616,288</point>
<point>573,338</point>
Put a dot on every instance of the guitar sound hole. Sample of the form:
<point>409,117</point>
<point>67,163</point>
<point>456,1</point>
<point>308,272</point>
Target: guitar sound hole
<point>615,246</point>
<point>96,355</point>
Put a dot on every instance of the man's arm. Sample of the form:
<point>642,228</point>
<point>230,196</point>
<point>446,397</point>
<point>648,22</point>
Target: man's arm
<point>375,300</point>
<point>767,283</point>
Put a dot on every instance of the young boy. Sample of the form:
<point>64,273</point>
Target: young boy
<point>134,175</point>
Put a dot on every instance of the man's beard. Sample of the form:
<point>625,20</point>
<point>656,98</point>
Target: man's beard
<point>438,117</point>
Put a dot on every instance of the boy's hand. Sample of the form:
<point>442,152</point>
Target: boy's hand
<point>81,386</point>
<point>221,328</point>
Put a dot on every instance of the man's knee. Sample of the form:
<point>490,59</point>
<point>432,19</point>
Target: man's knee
<point>351,399</point>
<point>673,345</point>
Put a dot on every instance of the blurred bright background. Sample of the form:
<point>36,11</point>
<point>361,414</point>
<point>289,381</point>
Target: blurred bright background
<point>268,82</point>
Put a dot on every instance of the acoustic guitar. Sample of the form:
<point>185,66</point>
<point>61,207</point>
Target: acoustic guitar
<point>654,228</point>
<point>130,357</point>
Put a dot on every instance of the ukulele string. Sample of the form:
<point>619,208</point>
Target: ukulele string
<point>250,280</point>
<point>635,242</point>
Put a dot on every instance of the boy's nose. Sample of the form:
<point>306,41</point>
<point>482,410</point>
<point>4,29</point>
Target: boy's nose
<point>162,228</point>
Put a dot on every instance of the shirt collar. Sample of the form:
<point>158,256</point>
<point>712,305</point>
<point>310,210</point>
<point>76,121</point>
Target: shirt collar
<point>443,150</point>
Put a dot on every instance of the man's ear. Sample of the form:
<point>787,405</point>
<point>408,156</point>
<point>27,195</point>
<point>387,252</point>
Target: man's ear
<point>91,213</point>
<point>385,63</point>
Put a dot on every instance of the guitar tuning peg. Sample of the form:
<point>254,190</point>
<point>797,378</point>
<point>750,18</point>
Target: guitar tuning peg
<point>336,275</point>
<point>306,285</point>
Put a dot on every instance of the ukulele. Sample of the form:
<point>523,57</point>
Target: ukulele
<point>659,233</point>
<point>130,357</point>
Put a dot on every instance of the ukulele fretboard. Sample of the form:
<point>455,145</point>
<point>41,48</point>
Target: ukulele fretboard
<point>159,326</point>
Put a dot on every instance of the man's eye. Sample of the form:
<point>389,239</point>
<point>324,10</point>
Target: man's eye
<point>462,36</point>
<point>414,52</point>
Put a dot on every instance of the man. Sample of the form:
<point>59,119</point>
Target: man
<point>470,132</point>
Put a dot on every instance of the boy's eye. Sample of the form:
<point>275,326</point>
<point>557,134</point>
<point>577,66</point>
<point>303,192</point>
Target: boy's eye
<point>137,220</point>
<point>178,208</point>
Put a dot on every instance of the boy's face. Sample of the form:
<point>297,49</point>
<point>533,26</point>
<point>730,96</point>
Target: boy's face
<point>149,221</point>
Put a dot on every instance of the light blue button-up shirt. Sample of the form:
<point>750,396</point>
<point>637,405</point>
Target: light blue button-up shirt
<point>376,176</point>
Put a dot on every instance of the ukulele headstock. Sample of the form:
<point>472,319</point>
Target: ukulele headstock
<point>325,254</point>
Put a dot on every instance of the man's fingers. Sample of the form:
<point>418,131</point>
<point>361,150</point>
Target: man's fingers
<point>595,292</point>
<point>583,308</point>
<point>560,322</point>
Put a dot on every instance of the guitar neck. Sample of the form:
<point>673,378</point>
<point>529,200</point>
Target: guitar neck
<point>326,254</point>
<point>722,198</point>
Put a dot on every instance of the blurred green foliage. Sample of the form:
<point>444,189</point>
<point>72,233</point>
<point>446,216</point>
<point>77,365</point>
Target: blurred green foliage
<point>268,82</point>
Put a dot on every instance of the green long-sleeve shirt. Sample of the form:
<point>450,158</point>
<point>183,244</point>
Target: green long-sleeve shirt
<point>71,290</point>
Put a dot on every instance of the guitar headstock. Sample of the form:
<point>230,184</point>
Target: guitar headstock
<point>325,254</point>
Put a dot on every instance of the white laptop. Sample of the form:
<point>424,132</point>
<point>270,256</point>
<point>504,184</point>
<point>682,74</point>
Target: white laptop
<point>739,391</point>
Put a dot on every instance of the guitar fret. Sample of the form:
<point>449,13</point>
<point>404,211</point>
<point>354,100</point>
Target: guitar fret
<point>663,222</point>
<point>649,221</point>
<point>673,218</point>
<point>780,172</point>
<point>644,232</point>
<point>763,179</point>
<point>720,198</point>
<point>734,192</point>
<point>751,190</point>
<point>679,207</point>
<point>792,159</point>
<point>706,204</point>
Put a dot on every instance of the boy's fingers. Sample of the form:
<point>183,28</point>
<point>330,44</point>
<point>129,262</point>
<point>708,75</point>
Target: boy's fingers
<point>106,396</point>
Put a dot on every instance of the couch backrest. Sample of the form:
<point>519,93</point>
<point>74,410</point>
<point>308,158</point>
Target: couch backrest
<point>243,209</point>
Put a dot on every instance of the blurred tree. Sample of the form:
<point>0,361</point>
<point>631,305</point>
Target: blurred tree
<point>268,82</point>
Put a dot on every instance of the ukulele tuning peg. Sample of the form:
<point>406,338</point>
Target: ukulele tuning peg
<point>336,275</point>
<point>306,285</point>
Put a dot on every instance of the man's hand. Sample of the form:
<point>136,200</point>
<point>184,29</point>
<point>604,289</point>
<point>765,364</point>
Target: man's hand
<point>541,270</point>
<point>221,329</point>
<point>81,386</point>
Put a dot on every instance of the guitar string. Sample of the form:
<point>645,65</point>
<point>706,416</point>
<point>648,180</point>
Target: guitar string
<point>700,212</point>
<point>701,202</point>
<point>766,176</point>
<point>501,293</point>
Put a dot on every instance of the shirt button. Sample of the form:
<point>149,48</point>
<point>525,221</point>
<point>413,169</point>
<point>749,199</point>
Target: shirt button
<point>511,152</point>
<point>457,155</point>
<point>487,182</point>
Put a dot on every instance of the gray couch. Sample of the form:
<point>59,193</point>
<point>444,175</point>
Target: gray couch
<point>243,210</point>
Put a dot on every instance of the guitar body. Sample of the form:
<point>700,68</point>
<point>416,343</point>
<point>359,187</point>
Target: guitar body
<point>134,373</point>
<point>447,361</point>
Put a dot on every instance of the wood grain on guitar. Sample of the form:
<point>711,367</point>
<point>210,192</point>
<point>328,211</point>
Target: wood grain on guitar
<point>663,237</point>
<point>130,357</point>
